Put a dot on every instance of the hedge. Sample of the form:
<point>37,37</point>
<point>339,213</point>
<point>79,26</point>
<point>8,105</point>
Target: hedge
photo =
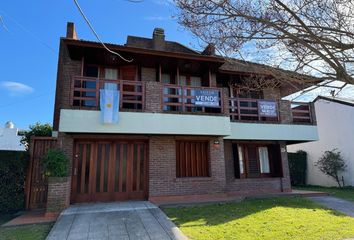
<point>298,167</point>
<point>13,167</point>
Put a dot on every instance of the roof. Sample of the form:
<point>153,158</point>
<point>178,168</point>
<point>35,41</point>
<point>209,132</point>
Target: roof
<point>193,55</point>
<point>147,43</point>
<point>345,101</point>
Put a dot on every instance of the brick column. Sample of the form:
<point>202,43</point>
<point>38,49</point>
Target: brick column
<point>285,180</point>
<point>226,101</point>
<point>59,189</point>
<point>153,97</point>
<point>285,111</point>
<point>58,194</point>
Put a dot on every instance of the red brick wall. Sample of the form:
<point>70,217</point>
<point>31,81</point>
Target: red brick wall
<point>66,69</point>
<point>162,170</point>
<point>58,194</point>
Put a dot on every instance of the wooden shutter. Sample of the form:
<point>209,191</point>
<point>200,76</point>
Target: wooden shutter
<point>192,159</point>
<point>253,169</point>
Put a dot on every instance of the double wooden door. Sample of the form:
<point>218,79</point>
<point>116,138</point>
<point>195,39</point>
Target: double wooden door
<point>109,171</point>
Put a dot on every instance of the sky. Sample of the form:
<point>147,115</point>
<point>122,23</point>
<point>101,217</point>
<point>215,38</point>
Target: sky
<point>29,42</point>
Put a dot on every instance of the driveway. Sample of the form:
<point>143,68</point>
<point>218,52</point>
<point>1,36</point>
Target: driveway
<point>123,220</point>
<point>343,206</point>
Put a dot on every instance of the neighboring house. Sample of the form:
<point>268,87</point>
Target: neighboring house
<point>170,143</point>
<point>336,130</point>
<point>10,139</point>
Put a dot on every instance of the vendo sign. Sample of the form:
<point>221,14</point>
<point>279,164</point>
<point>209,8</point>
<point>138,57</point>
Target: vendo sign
<point>206,98</point>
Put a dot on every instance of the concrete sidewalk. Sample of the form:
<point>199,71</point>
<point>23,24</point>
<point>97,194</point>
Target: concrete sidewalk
<point>343,206</point>
<point>123,220</point>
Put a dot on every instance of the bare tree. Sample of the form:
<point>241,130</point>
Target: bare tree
<point>306,36</point>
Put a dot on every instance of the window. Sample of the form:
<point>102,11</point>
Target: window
<point>192,159</point>
<point>256,160</point>
<point>111,73</point>
<point>264,159</point>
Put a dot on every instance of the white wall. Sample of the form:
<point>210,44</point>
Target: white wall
<point>335,123</point>
<point>10,141</point>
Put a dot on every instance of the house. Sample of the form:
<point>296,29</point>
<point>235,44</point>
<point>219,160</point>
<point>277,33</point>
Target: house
<point>335,128</point>
<point>10,140</point>
<point>183,132</point>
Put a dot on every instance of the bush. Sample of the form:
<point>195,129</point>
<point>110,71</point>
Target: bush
<point>298,167</point>
<point>331,164</point>
<point>56,163</point>
<point>13,169</point>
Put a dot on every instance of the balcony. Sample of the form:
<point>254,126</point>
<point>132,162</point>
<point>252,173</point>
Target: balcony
<point>157,97</point>
<point>184,99</point>
<point>85,93</point>
<point>270,111</point>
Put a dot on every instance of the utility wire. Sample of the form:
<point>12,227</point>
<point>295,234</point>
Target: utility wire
<point>3,24</point>
<point>27,31</point>
<point>98,37</point>
<point>26,100</point>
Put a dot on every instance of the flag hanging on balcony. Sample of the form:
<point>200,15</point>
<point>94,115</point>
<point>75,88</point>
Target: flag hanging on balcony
<point>109,103</point>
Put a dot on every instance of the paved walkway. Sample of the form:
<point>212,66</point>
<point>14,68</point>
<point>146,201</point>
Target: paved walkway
<point>334,203</point>
<point>125,220</point>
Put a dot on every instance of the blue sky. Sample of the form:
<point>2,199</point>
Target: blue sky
<point>29,42</point>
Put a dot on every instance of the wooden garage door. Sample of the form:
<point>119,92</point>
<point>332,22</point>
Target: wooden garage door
<point>109,171</point>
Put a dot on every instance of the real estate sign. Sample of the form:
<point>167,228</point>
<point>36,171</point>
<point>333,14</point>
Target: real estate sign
<point>267,108</point>
<point>206,98</point>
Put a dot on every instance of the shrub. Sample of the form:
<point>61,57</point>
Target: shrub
<point>13,168</point>
<point>331,164</point>
<point>56,163</point>
<point>298,167</point>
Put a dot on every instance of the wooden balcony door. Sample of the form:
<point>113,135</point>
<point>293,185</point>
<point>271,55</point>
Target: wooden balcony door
<point>109,171</point>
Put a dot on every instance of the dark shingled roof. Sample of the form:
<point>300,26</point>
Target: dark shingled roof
<point>147,43</point>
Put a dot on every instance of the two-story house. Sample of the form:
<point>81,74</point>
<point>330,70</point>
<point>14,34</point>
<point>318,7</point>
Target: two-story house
<point>184,133</point>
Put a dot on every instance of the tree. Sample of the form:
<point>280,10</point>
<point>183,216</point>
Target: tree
<point>38,130</point>
<point>331,164</point>
<point>306,36</point>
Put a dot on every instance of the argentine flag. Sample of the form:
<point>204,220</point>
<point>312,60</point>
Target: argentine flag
<point>109,103</point>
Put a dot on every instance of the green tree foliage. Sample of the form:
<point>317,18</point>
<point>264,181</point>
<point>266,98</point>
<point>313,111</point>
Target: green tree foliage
<point>331,164</point>
<point>56,163</point>
<point>39,130</point>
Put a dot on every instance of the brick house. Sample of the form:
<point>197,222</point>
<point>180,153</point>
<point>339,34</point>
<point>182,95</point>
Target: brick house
<point>167,147</point>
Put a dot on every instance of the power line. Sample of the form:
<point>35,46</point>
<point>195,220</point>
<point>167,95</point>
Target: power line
<point>3,24</point>
<point>27,31</point>
<point>26,100</point>
<point>95,33</point>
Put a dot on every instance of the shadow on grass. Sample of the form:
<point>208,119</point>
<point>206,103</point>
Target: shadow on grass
<point>215,214</point>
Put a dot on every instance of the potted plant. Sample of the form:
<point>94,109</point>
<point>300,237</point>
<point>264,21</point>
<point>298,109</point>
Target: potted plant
<point>56,168</point>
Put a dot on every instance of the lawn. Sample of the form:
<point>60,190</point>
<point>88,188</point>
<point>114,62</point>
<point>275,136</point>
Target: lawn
<point>26,232</point>
<point>346,193</point>
<point>272,218</point>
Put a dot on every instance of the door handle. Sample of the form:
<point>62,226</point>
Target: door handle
<point>75,171</point>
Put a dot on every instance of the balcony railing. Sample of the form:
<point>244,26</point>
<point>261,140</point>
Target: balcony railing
<point>260,110</point>
<point>85,93</point>
<point>177,98</point>
<point>301,112</point>
<point>247,109</point>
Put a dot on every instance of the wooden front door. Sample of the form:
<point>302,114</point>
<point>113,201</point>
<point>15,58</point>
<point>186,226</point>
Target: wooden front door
<point>109,171</point>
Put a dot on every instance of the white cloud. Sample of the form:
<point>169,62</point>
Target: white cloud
<point>16,88</point>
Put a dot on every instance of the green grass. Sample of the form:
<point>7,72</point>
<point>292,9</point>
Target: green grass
<point>273,218</point>
<point>346,193</point>
<point>25,232</point>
